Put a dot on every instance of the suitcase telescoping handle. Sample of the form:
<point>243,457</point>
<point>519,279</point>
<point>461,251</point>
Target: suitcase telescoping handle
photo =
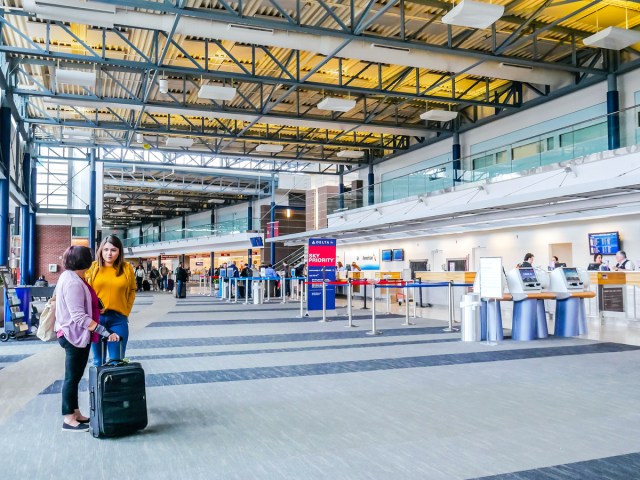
<point>112,361</point>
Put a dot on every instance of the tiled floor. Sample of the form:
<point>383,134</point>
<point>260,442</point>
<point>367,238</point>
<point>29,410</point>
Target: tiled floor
<point>253,392</point>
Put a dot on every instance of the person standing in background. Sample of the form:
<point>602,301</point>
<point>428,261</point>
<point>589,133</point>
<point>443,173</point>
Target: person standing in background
<point>528,261</point>
<point>115,283</point>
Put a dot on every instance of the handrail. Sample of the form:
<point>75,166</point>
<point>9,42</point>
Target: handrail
<point>444,176</point>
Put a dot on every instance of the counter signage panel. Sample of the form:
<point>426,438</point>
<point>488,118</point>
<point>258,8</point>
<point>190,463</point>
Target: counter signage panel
<point>321,263</point>
<point>491,277</point>
<point>607,243</point>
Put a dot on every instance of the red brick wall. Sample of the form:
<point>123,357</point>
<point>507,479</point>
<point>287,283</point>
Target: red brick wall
<point>51,242</point>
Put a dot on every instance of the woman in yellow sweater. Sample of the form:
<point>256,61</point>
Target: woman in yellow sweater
<point>114,282</point>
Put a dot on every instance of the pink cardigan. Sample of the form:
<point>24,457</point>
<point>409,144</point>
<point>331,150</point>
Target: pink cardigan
<point>73,309</point>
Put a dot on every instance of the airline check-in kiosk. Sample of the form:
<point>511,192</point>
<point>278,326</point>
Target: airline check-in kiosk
<point>527,286</point>
<point>571,288</point>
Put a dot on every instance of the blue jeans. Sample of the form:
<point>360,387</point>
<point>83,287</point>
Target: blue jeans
<point>116,323</point>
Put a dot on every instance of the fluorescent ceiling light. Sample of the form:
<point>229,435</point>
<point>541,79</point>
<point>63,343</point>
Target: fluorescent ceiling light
<point>269,148</point>
<point>350,154</point>
<point>183,209</point>
<point>215,200</point>
<point>165,197</point>
<point>163,85</point>
<point>81,78</point>
<point>111,195</point>
<point>439,115</point>
<point>613,38</point>
<point>155,216</point>
<point>336,104</point>
<point>217,92</point>
<point>139,138</point>
<point>473,14</point>
<point>179,142</point>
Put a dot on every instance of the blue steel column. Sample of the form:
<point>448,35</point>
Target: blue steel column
<point>341,188</point>
<point>211,259</point>
<point>273,219</point>
<point>32,219</point>
<point>249,227</point>
<point>25,217</point>
<point>5,158</point>
<point>613,106</point>
<point>456,155</point>
<point>92,202</point>
<point>370,185</point>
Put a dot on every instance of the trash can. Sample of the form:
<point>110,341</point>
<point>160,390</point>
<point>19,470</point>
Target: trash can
<point>257,292</point>
<point>471,318</point>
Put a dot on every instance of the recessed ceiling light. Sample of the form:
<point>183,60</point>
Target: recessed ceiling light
<point>613,38</point>
<point>269,148</point>
<point>473,14</point>
<point>350,154</point>
<point>179,142</point>
<point>336,104</point>
<point>439,115</point>
<point>83,78</point>
<point>217,92</point>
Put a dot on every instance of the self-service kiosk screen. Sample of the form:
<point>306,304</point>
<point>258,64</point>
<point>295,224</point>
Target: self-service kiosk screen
<point>571,274</point>
<point>528,275</point>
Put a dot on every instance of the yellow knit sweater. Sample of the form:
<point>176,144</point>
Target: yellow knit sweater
<point>116,293</point>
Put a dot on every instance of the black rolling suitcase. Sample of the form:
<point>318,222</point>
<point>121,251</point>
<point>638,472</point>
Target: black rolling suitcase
<point>170,283</point>
<point>118,398</point>
<point>182,291</point>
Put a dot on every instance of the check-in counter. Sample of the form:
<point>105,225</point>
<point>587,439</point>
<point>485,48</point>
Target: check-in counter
<point>529,289</point>
<point>390,292</point>
<point>438,296</point>
<point>571,287</point>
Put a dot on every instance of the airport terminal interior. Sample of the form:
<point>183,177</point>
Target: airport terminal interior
<point>372,239</point>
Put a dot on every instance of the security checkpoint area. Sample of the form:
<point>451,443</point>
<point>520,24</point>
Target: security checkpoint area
<point>370,239</point>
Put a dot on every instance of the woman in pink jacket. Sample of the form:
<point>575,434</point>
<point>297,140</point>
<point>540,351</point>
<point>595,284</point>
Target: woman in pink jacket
<point>77,312</point>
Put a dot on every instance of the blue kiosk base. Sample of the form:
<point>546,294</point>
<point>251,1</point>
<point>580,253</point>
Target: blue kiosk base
<point>571,320</point>
<point>529,320</point>
<point>491,316</point>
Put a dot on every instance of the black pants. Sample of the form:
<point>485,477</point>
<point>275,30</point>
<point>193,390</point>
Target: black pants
<point>74,365</point>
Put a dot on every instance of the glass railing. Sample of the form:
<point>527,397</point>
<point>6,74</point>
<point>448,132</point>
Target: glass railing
<point>229,227</point>
<point>563,144</point>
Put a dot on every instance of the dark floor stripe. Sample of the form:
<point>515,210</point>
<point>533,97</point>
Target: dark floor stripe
<point>620,467</point>
<point>138,358</point>
<point>242,321</point>
<point>13,358</point>
<point>261,373</point>
<point>278,338</point>
<point>214,309</point>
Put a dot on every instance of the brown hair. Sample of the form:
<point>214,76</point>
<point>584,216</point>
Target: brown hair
<point>76,257</point>
<point>118,265</point>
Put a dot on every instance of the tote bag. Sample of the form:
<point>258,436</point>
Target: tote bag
<point>46,331</point>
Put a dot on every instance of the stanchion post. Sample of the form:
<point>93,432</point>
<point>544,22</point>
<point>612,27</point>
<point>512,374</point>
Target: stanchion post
<point>413,296</point>
<point>324,301</point>
<point>450,294</point>
<point>388,301</point>
<point>365,297</point>
<point>283,289</point>
<point>268,290</point>
<point>373,313</point>
<point>350,304</point>
<point>406,306</point>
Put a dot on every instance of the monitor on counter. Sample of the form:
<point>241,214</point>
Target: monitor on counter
<point>607,243</point>
<point>528,275</point>
<point>386,255</point>
<point>256,242</point>
<point>571,274</point>
<point>594,266</point>
<point>398,255</point>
